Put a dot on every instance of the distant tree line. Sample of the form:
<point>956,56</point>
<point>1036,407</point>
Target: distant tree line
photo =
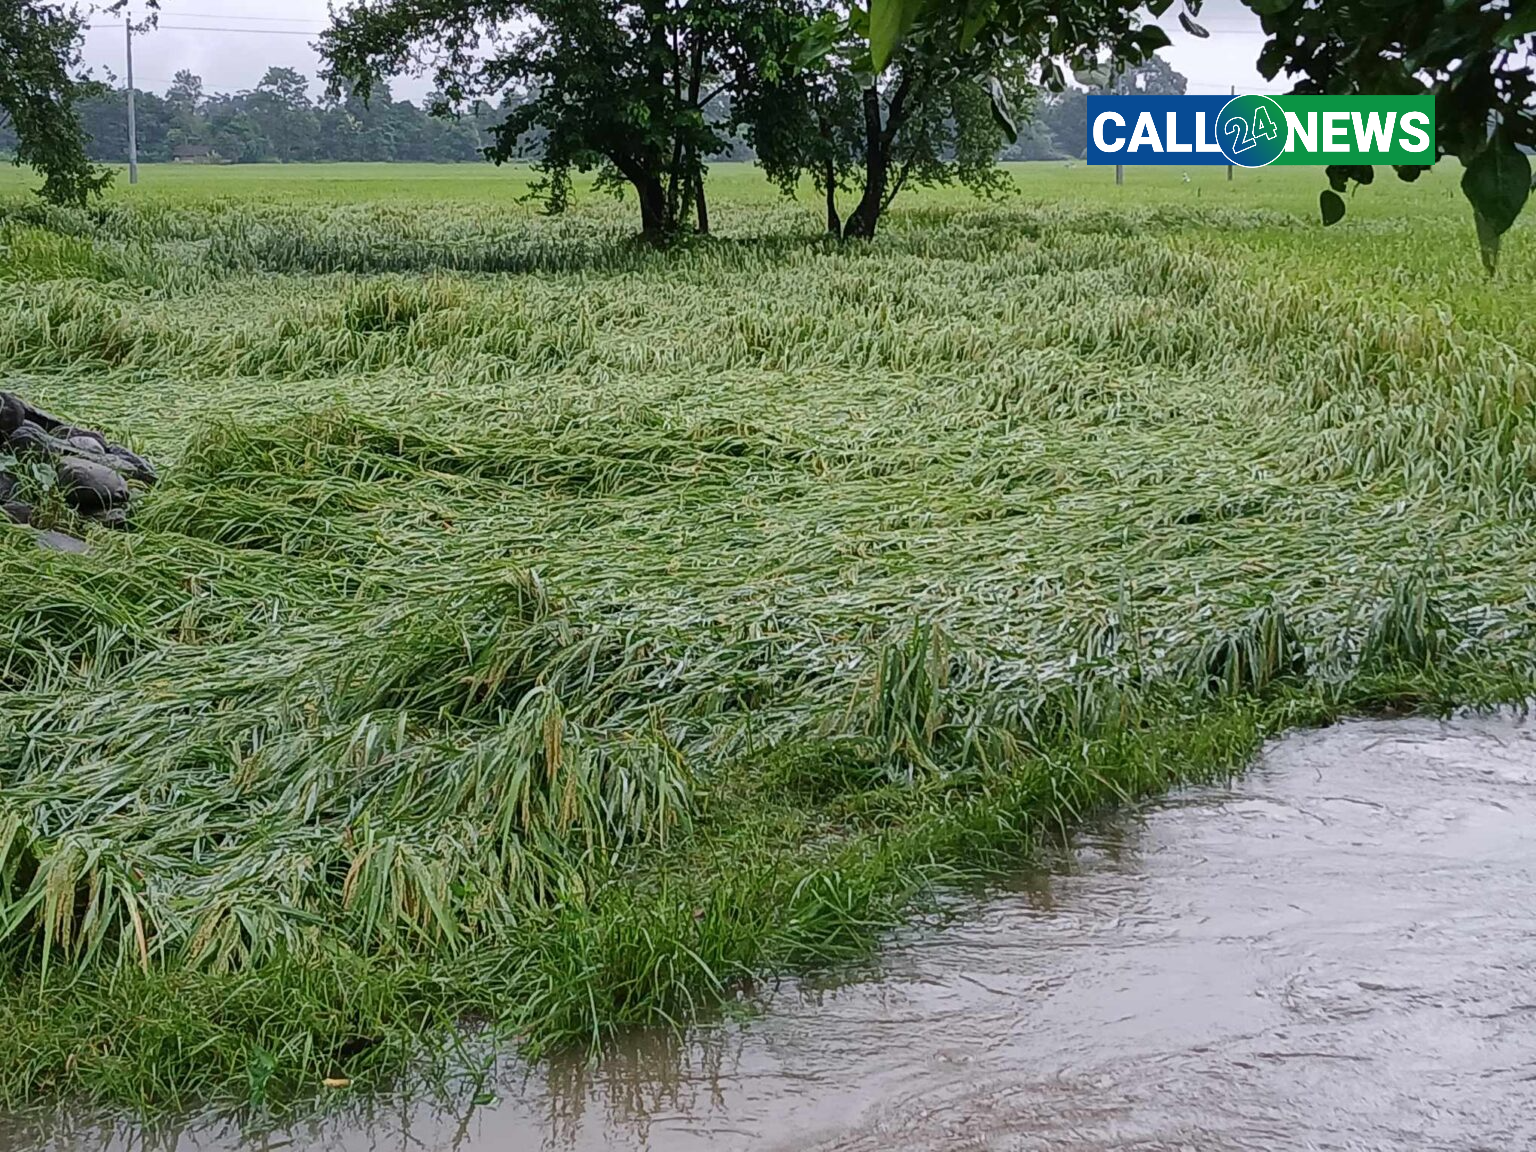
<point>809,126</point>
<point>276,121</point>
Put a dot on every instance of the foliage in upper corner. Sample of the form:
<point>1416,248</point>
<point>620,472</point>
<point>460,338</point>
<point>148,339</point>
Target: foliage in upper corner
<point>39,93</point>
<point>1077,31</point>
<point>1474,60</point>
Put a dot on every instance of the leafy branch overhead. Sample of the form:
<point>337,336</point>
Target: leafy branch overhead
<point>1474,60</point>
<point>1078,31</point>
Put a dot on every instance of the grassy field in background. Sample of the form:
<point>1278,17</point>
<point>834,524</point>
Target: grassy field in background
<point>538,632</point>
<point>1291,190</point>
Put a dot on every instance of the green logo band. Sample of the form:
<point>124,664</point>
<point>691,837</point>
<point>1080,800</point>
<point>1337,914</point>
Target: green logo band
<point>1336,130</point>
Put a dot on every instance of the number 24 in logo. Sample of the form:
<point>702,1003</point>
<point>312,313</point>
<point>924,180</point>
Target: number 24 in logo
<point>1245,137</point>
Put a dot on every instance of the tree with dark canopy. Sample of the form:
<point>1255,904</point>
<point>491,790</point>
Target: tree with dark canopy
<point>931,100</point>
<point>624,87</point>
<point>938,115</point>
<point>39,96</point>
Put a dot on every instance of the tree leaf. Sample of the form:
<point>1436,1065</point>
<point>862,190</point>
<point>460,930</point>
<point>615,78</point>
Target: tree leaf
<point>1268,7</point>
<point>974,22</point>
<point>1149,39</point>
<point>1271,59</point>
<point>1498,182</point>
<point>1002,112</point>
<point>1487,241</point>
<point>1192,28</point>
<point>889,22</point>
<point>1332,205</point>
<point>817,39</point>
<point>1521,23</point>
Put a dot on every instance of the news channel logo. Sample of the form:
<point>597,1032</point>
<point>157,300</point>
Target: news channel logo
<point>1254,131</point>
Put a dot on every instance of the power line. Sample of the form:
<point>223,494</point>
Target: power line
<point>232,16</point>
<point>251,31</point>
<point>238,5</point>
<point>210,28</point>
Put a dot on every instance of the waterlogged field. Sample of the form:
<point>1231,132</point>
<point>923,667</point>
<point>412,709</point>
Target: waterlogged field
<point>537,633</point>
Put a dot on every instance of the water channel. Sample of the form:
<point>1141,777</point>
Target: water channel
<point>1338,951</point>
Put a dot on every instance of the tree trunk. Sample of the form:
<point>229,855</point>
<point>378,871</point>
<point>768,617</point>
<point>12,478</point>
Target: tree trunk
<point>834,221</point>
<point>866,217</point>
<point>861,225</point>
<point>683,204</point>
<point>695,173</point>
<point>829,174</point>
<point>703,205</point>
<point>655,218</point>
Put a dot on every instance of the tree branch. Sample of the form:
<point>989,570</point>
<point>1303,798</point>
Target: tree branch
<point>897,114</point>
<point>895,188</point>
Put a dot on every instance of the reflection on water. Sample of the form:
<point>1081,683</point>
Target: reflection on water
<point>1336,952</point>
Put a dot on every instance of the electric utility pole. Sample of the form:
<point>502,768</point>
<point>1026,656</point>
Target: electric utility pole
<point>1229,163</point>
<point>133,129</point>
<point>1114,87</point>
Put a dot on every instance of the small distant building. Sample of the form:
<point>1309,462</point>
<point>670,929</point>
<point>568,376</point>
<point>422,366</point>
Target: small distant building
<point>194,154</point>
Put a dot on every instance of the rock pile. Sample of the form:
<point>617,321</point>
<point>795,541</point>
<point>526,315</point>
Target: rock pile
<point>92,473</point>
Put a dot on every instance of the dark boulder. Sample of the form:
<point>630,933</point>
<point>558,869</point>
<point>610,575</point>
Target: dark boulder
<point>28,439</point>
<point>85,442</point>
<point>132,465</point>
<point>17,512</point>
<point>52,541</point>
<point>36,416</point>
<point>12,413</point>
<point>90,488</point>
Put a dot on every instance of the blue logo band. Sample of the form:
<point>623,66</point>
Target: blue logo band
<point>1155,130</point>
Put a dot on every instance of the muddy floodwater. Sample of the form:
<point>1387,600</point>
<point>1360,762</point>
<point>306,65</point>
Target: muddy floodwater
<point>1336,952</point>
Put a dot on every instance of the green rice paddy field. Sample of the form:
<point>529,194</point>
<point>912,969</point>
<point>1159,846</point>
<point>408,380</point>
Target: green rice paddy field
<point>538,634</point>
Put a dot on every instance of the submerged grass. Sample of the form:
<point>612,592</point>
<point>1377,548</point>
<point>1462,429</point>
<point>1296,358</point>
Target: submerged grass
<point>541,633</point>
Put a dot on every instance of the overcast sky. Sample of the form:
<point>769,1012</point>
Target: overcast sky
<point>230,43</point>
